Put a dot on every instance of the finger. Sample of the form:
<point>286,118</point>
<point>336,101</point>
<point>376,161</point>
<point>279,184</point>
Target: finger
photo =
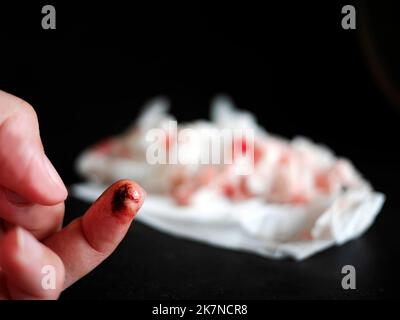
<point>41,221</point>
<point>24,167</point>
<point>88,240</point>
<point>1,229</point>
<point>3,287</point>
<point>31,270</point>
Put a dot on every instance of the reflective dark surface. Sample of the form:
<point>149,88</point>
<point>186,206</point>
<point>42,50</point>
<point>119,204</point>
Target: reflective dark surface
<point>153,265</point>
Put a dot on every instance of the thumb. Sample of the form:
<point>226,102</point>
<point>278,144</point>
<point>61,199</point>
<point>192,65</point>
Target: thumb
<point>24,167</point>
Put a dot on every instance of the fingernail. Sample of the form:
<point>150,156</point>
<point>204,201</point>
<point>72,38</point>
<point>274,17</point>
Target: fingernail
<point>137,197</point>
<point>15,198</point>
<point>54,174</point>
<point>27,245</point>
<point>20,238</point>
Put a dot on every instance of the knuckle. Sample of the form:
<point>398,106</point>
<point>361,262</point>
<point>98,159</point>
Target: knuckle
<point>44,228</point>
<point>25,110</point>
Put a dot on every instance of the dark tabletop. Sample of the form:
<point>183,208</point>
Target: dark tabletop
<point>150,264</point>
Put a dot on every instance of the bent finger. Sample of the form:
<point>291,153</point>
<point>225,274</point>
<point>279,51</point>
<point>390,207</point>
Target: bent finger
<point>24,167</point>
<point>41,221</point>
<point>31,270</point>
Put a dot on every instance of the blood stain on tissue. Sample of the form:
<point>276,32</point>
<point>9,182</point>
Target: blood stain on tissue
<point>121,194</point>
<point>103,146</point>
<point>241,147</point>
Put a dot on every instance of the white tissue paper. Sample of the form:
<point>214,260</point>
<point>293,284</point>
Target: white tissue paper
<point>298,200</point>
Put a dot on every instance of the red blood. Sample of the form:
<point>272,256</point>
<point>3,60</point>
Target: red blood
<point>169,140</point>
<point>244,190</point>
<point>241,144</point>
<point>322,182</point>
<point>229,190</point>
<point>298,199</point>
<point>237,191</point>
<point>123,193</point>
<point>103,146</point>
<point>258,153</point>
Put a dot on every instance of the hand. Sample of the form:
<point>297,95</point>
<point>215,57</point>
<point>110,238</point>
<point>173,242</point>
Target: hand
<point>32,198</point>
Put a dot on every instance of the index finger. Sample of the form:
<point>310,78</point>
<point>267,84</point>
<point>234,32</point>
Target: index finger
<point>87,241</point>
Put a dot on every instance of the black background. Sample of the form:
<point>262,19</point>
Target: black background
<point>291,64</point>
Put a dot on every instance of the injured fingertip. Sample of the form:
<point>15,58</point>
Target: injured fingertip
<point>108,219</point>
<point>127,198</point>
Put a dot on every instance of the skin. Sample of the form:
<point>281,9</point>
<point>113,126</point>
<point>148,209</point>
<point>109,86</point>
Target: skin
<point>32,198</point>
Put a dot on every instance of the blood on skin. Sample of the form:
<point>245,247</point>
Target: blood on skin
<point>123,193</point>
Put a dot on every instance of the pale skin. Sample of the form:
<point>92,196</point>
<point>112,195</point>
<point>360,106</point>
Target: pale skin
<point>32,197</point>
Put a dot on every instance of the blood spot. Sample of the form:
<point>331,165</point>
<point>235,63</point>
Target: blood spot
<point>123,193</point>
